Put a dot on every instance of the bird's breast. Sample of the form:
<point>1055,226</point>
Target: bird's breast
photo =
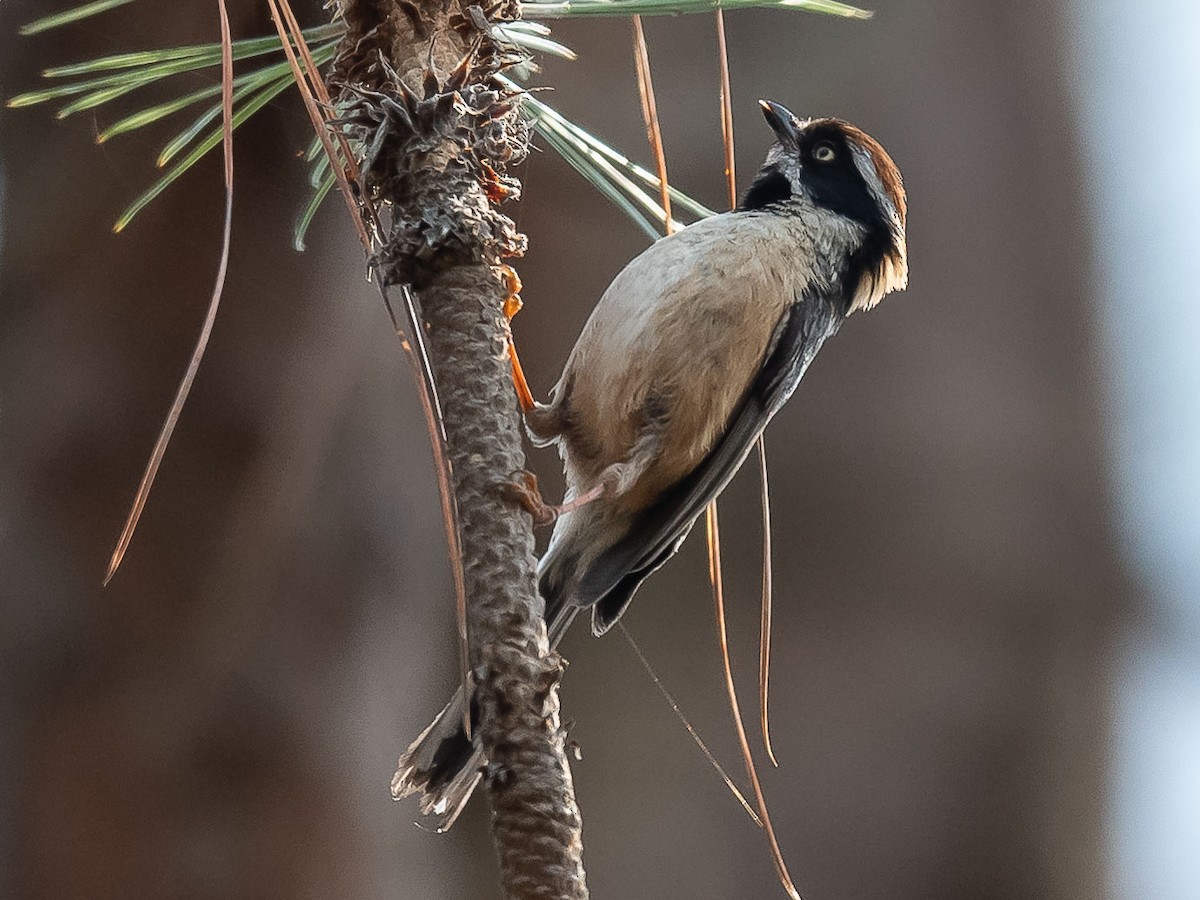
<point>675,343</point>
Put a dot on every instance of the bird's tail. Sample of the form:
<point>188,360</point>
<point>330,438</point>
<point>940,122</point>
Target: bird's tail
<point>443,765</point>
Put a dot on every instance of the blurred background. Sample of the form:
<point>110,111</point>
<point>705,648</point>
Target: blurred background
<point>987,492</point>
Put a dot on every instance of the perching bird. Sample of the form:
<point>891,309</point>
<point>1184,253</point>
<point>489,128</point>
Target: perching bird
<point>694,346</point>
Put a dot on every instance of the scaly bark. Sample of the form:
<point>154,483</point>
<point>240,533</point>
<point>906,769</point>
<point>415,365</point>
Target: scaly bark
<point>418,81</point>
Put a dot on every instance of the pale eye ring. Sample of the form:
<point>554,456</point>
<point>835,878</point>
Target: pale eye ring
<point>824,152</point>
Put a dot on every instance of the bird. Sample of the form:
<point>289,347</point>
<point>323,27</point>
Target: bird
<point>692,349</point>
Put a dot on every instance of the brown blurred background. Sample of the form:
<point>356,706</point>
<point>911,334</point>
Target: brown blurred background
<point>223,720</point>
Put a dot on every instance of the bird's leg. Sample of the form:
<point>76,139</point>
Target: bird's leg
<point>524,491</point>
<point>619,477</point>
<point>544,423</point>
<point>615,479</point>
<point>512,305</point>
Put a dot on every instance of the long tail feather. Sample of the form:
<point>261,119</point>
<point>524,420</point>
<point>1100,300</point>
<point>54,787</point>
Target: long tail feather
<point>442,765</point>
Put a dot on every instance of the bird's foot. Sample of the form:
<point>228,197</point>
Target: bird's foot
<point>524,491</point>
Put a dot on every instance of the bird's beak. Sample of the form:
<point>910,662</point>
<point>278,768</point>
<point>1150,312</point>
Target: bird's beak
<point>783,122</point>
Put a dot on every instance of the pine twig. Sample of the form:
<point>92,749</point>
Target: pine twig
<point>420,91</point>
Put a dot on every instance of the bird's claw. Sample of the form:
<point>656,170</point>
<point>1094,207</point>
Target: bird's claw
<point>524,492</point>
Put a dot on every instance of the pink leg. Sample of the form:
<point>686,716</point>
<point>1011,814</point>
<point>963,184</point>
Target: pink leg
<point>525,493</point>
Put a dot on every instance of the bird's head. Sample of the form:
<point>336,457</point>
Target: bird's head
<point>831,164</point>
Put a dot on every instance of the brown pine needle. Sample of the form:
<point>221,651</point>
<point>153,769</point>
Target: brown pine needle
<point>764,633</point>
<point>714,572</point>
<point>418,356</point>
<point>641,60</point>
<point>726,110</point>
<point>708,754</point>
<point>654,133</point>
<point>185,385</point>
<point>412,338</point>
<point>322,94</point>
<point>318,118</point>
<point>764,645</point>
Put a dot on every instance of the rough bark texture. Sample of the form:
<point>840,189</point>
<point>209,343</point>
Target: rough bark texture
<point>438,130</point>
<point>536,824</point>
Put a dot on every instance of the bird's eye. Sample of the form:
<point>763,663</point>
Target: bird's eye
<point>824,152</point>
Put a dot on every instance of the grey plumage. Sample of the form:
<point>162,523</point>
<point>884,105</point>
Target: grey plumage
<point>669,385</point>
<point>691,350</point>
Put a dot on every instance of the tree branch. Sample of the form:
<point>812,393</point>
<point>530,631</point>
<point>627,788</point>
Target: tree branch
<point>418,81</point>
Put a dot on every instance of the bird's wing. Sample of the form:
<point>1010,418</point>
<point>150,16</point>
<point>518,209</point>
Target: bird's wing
<point>658,531</point>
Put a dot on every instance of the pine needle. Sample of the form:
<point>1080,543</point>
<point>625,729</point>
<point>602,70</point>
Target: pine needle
<point>312,89</point>
<point>319,119</point>
<point>71,15</point>
<point>584,8</point>
<point>691,730</point>
<point>714,573</point>
<point>764,631</point>
<point>641,58</point>
<point>764,635</point>
<point>713,533</point>
<point>185,385</point>
<point>306,217</point>
<point>726,111</point>
<point>211,140</point>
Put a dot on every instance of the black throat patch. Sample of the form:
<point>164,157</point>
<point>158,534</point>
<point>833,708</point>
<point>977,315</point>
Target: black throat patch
<point>770,187</point>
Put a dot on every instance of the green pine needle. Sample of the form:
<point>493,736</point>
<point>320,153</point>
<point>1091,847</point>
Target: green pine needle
<point>244,86</point>
<point>181,141</point>
<point>144,68</point>
<point>534,40</point>
<point>71,15</point>
<point>607,188</point>
<point>211,140</point>
<point>310,211</point>
<point>546,119</point>
<point>204,54</point>
<point>319,170</point>
<point>606,177</point>
<point>122,61</point>
<point>632,188</point>
<point>152,114</point>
